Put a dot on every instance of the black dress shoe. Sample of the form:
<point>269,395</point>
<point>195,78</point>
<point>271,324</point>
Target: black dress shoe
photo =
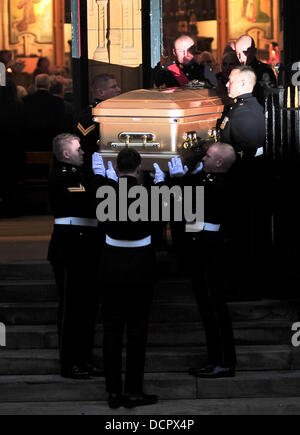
<point>215,372</point>
<point>93,370</point>
<point>194,370</point>
<point>133,400</point>
<point>114,400</point>
<point>75,372</point>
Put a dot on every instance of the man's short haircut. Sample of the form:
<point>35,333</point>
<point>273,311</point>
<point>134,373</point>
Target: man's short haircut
<point>100,81</point>
<point>230,56</point>
<point>42,81</point>
<point>226,152</point>
<point>183,36</point>
<point>41,60</point>
<point>128,160</point>
<point>5,56</point>
<point>56,86</point>
<point>248,72</point>
<point>251,39</point>
<point>61,142</point>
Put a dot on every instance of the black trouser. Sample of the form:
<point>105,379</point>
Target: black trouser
<point>125,307</point>
<point>206,250</point>
<point>129,275</point>
<point>77,311</point>
<point>249,228</point>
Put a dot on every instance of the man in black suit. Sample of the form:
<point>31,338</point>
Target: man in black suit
<point>43,116</point>
<point>265,77</point>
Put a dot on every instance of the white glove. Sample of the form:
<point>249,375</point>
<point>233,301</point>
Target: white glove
<point>110,171</point>
<point>98,164</point>
<point>159,175</point>
<point>176,168</point>
<point>198,168</point>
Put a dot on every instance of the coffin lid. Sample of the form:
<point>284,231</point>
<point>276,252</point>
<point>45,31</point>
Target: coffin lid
<point>171,98</point>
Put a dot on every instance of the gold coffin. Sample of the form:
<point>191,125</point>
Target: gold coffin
<point>158,123</point>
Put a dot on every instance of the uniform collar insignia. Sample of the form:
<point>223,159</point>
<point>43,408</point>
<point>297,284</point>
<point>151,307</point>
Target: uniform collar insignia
<point>210,176</point>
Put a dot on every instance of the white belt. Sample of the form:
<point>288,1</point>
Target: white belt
<point>196,227</point>
<point>259,152</point>
<point>83,222</point>
<point>128,243</point>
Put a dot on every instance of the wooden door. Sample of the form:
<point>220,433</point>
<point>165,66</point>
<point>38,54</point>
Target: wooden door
<point>58,32</point>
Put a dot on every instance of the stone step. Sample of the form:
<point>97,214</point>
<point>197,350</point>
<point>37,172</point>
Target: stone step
<point>45,290</point>
<point>181,334</point>
<point>28,291</point>
<point>164,407</point>
<point>166,288</point>
<point>168,386</point>
<point>26,271</point>
<point>38,270</point>
<point>176,289</point>
<point>164,311</point>
<point>169,359</point>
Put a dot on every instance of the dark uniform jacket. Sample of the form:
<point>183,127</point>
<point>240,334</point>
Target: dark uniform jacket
<point>243,126</point>
<point>123,230</point>
<point>123,266</point>
<point>216,193</point>
<point>88,132</point>
<point>71,196</point>
<point>166,74</point>
<point>265,80</point>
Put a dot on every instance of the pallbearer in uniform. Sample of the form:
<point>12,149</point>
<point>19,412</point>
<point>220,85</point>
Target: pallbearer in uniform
<point>128,266</point>
<point>104,86</point>
<point>73,252</point>
<point>243,126</point>
<point>204,250</point>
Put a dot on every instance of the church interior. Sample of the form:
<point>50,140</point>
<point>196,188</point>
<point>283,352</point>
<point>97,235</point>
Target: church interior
<point>80,39</point>
<point>42,28</point>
